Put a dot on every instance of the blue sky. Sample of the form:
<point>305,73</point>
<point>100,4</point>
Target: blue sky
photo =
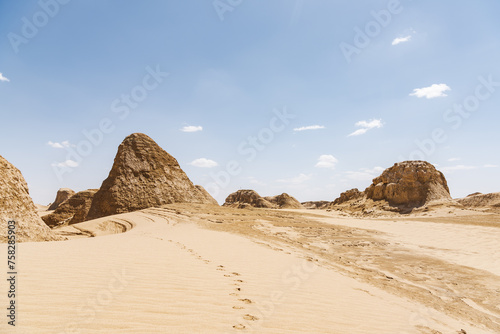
<point>362,85</point>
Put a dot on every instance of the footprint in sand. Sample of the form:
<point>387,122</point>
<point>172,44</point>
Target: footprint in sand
<point>239,326</point>
<point>238,307</point>
<point>250,317</point>
<point>246,301</point>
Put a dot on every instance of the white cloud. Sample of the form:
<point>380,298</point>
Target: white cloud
<point>2,78</point>
<point>59,145</point>
<point>398,40</point>
<point>310,127</point>
<point>490,166</point>
<point>67,163</point>
<point>297,179</point>
<point>254,180</point>
<point>365,126</point>
<point>457,167</point>
<point>326,161</point>
<point>191,128</point>
<point>203,163</point>
<point>435,90</point>
<point>364,174</point>
<point>453,159</point>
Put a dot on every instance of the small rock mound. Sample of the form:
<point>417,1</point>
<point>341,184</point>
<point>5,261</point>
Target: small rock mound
<point>348,196</point>
<point>316,205</point>
<point>72,211</point>
<point>16,204</point>
<point>62,195</point>
<point>481,201</point>
<point>409,184</point>
<point>247,198</point>
<point>143,175</point>
<point>284,201</point>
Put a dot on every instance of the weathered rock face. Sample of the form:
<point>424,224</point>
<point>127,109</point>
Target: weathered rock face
<point>284,201</point>
<point>72,211</point>
<point>247,198</point>
<point>347,196</point>
<point>209,199</point>
<point>62,195</point>
<point>409,184</point>
<point>315,204</point>
<point>16,204</point>
<point>143,175</point>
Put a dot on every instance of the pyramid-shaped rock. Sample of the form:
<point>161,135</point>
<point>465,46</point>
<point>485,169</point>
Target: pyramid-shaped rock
<point>143,175</point>
<point>16,204</point>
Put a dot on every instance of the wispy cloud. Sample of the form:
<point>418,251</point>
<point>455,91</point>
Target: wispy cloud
<point>490,166</point>
<point>398,40</point>
<point>191,128</point>
<point>203,163</point>
<point>310,127</point>
<point>457,168</point>
<point>364,174</point>
<point>59,145</point>
<point>365,126</point>
<point>453,159</point>
<point>326,161</point>
<point>2,78</point>
<point>301,178</point>
<point>433,91</point>
<point>67,163</point>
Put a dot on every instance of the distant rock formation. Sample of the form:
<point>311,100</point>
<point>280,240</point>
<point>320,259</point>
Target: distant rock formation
<point>72,211</point>
<point>143,175</point>
<point>284,201</point>
<point>250,198</point>
<point>247,198</point>
<point>16,204</point>
<point>409,184</point>
<point>348,196</point>
<point>315,205</point>
<point>481,201</point>
<point>400,188</point>
<point>62,195</point>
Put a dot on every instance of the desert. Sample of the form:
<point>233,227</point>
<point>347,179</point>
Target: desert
<point>236,166</point>
<point>409,260</point>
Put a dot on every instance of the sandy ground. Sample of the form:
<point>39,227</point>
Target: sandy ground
<point>202,269</point>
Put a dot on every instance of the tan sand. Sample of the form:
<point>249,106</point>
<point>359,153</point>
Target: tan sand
<point>201,269</point>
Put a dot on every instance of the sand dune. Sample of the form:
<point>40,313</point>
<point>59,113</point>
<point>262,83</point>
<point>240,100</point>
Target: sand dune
<point>183,270</point>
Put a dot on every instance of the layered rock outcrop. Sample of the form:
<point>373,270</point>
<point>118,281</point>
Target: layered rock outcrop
<point>72,211</point>
<point>284,201</point>
<point>62,195</point>
<point>247,198</point>
<point>143,175</point>
<point>16,204</point>
<point>409,184</point>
